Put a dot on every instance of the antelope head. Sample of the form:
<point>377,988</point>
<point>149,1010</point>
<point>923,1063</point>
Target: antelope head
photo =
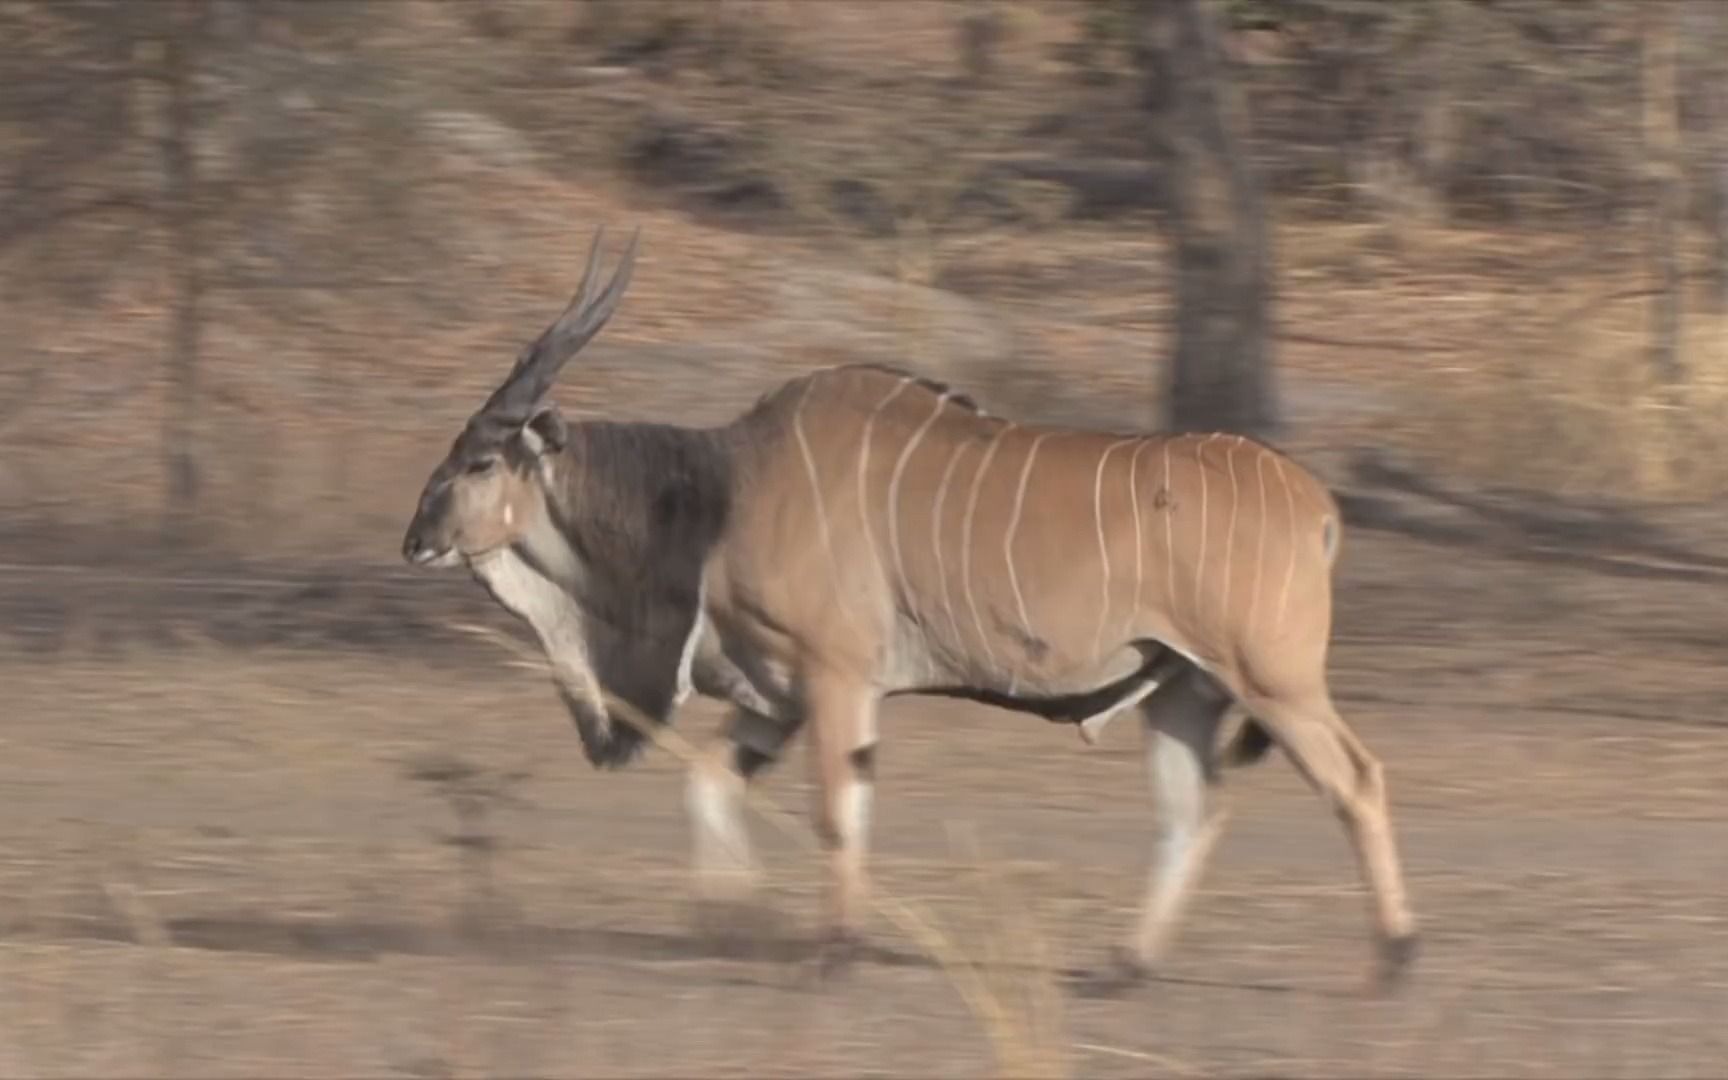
<point>487,489</point>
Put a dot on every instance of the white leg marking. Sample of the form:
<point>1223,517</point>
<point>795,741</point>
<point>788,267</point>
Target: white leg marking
<point>1169,539</point>
<point>712,797</point>
<point>1290,541</point>
<point>1103,547</point>
<point>894,495</point>
<point>821,509</point>
<point>852,802</point>
<point>966,542</point>
<point>854,823</point>
<point>936,538</point>
<point>1139,540</point>
<point>863,478</point>
<point>1260,543</point>
<point>1230,529</point>
<point>1013,527</point>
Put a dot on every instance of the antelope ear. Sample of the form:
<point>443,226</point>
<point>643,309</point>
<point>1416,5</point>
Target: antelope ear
<point>545,431</point>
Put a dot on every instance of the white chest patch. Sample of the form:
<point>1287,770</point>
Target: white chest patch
<point>687,656</point>
<point>552,614</point>
<point>552,552</point>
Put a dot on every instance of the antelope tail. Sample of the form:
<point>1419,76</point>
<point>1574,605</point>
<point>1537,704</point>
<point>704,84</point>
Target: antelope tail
<point>1330,536</point>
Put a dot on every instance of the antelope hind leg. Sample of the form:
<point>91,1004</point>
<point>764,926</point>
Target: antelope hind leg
<point>1352,781</point>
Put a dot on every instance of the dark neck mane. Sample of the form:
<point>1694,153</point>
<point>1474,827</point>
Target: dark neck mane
<point>642,506</point>
<point>934,386</point>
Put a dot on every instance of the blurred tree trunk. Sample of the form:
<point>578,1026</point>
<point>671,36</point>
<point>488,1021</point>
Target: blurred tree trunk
<point>1436,133</point>
<point>1713,28</point>
<point>1661,61</point>
<point>1221,361</point>
<point>183,31</point>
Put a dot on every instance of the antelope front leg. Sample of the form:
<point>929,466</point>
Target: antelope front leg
<point>1181,756</point>
<point>843,761</point>
<point>726,869</point>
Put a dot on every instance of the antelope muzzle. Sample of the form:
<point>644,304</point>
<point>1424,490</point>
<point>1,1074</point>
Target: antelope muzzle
<point>428,541</point>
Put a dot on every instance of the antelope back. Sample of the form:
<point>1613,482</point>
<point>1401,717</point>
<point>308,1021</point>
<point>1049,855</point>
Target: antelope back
<point>904,531</point>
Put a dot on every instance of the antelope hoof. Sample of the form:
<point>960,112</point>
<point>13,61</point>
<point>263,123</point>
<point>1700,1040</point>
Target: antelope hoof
<point>1129,967</point>
<point>732,926</point>
<point>837,954</point>
<point>727,883</point>
<point>1392,967</point>
<point>1123,969</point>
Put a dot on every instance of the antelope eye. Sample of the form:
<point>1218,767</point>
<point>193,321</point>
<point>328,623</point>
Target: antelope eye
<point>482,465</point>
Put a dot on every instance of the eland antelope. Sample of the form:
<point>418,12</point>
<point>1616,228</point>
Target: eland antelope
<point>863,532</point>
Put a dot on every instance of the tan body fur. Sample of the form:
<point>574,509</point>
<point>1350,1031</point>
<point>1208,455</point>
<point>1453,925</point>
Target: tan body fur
<point>914,543</point>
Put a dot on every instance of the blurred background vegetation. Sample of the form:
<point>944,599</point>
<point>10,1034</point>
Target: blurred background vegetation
<point>274,809</point>
<point>259,257</point>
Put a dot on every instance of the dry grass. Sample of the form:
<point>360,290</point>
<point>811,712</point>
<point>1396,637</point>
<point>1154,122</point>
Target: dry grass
<point>1573,407</point>
<point>245,862</point>
<point>319,400</point>
<point>1005,979</point>
<point>310,916</point>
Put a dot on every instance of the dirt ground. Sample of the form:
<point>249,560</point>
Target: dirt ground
<point>298,826</point>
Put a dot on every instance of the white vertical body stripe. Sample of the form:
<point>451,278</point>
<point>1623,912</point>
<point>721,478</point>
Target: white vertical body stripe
<point>1290,542</point>
<point>864,476</point>
<point>822,524</point>
<point>1230,529</point>
<point>1260,542</point>
<point>1013,527</point>
<point>1139,539</point>
<point>1200,556</point>
<point>894,493</point>
<point>936,539</point>
<point>966,542</point>
<point>1103,546</point>
<point>1169,540</point>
